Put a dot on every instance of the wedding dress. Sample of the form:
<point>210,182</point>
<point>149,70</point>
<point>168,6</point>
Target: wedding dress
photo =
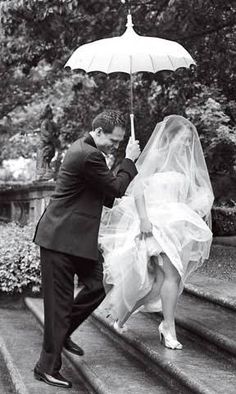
<point>174,181</point>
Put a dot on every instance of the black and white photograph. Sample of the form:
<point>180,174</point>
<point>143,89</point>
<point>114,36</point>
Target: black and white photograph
<point>118,197</point>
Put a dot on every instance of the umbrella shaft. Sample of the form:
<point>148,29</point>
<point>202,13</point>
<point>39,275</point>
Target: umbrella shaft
<point>131,94</point>
<point>131,107</point>
<point>132,126</point>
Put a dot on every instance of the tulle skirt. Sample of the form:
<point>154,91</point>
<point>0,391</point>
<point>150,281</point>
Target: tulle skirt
<point>130,272</point>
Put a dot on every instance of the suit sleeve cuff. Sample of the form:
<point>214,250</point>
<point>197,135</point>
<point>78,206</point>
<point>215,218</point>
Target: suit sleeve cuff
<point>129,166</point>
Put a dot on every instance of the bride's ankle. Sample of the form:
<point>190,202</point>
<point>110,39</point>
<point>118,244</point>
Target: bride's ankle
<point>119,323</point>
<point>119,327</point>
<point>169,326</point>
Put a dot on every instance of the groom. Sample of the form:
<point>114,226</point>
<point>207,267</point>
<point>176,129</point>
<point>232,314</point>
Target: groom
<point>67,234</point>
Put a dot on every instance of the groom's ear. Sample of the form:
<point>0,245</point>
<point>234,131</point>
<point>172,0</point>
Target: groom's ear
<point>98,131</point>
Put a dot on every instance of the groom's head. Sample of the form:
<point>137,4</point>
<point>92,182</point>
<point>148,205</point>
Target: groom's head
<point>108,130</point>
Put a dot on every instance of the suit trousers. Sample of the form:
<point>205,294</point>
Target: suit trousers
<point>62,313</point>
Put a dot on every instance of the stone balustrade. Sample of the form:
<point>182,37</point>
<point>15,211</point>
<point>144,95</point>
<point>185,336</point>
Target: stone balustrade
<point>24,203</point>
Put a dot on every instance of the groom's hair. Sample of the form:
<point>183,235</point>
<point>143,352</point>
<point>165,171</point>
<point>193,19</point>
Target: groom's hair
<point>109,119</point>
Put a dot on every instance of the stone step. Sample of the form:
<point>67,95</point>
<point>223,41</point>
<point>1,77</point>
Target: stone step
<point>215,280</point>
<point>199,367</point>
<point>224,241</point>
<point>214,290</point>
<point>20,349</point>
<point>6,386</point>
<point>209,321</point>
<point>107,366</point>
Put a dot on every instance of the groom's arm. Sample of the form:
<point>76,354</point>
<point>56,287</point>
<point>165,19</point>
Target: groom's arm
<point>99,177</point>
<point>108,201</point>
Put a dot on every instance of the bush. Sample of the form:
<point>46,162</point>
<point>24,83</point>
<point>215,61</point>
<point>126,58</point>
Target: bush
<point>19,259</point>
<point>224,219</point>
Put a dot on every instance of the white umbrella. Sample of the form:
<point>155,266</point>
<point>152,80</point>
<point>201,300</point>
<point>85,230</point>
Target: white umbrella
<point>130,53</point>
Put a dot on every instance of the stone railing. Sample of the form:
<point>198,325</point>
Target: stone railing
<point>24,203</point>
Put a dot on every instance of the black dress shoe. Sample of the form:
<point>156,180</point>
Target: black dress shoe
<point>72,347</point>
<point>54,380</point>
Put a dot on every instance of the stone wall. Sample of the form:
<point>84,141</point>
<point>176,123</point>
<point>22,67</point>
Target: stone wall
<point>24,203</point>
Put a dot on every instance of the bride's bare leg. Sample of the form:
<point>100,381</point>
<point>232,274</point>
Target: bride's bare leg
<point>169,295</point>
<point>159,274</point>
<point>159,277</point>
<point>139,303</point>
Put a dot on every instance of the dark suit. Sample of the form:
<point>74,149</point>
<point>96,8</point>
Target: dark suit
<point>68,235</point>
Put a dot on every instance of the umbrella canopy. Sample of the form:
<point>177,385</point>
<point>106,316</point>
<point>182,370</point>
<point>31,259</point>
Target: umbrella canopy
<point>130,53</point>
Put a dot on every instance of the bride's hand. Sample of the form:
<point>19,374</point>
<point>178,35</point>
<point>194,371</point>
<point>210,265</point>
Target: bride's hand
<point>145,226</point>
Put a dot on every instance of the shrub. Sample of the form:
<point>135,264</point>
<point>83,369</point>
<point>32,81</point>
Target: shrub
<point>19,259</point>
<point>224,219</point>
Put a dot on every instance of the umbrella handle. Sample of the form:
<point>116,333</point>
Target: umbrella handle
<point>132,126</point>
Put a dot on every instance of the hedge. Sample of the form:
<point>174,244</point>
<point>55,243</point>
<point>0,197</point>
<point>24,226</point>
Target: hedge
<point>19,259</point>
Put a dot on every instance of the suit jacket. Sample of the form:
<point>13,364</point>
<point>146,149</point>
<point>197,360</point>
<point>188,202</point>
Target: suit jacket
<point>70,223</point>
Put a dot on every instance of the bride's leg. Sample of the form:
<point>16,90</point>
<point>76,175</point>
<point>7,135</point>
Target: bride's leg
<point>139,303</point>
<point>169,294</point>
<point>159,277</point>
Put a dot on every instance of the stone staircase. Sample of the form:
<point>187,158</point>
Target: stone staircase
<point>134,362</point>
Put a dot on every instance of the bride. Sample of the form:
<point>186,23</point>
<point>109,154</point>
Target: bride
<point>159,232</point>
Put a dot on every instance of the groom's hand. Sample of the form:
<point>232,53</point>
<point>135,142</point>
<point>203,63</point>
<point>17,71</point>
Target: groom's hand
<point>132,149</point>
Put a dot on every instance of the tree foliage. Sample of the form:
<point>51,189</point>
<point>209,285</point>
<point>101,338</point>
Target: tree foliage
<point>38,36</point>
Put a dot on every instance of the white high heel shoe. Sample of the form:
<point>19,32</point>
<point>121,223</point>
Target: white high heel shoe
<point>167,340</point>
<point>118,328</point>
